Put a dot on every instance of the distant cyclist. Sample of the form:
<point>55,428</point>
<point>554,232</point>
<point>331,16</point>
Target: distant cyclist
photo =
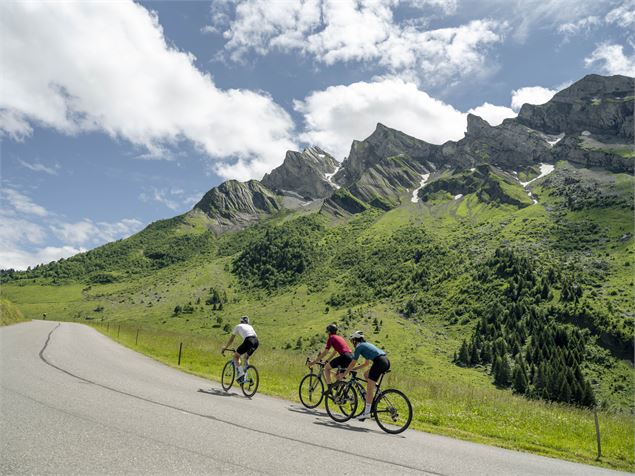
<point>334,344</point>
<point>248,347</point>
<point>373,355</point>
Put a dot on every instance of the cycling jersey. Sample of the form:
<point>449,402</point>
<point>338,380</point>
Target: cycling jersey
<point>368,351</point>
<point>244,331</point>
<point>338,343</point>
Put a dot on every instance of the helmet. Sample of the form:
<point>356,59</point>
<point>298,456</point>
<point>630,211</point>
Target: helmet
<point>357,335</point>
<point>244,320</point>
<point>331,328</point>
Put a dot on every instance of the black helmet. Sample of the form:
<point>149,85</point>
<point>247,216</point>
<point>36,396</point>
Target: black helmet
<point>331,328</point>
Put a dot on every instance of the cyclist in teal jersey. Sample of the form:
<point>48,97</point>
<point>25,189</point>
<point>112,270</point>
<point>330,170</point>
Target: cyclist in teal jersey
<point>380,364</point>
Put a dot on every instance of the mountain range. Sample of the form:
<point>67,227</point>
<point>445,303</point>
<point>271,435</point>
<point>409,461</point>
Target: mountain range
<point>510,249</point>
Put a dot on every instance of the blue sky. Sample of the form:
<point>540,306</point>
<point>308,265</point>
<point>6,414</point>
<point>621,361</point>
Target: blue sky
<point>116,114</point>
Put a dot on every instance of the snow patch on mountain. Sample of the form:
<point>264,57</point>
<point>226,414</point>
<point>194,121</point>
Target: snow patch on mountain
<point>329,177</point>
<point>545,169</point>
<point>424,179</point>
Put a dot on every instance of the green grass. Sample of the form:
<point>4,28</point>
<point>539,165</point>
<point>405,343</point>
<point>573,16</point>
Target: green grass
<point>9,313</point>
<point>454,236</point>
<point>454,406</point>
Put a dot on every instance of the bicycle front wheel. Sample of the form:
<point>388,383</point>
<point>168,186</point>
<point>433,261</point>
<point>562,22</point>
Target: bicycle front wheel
<point>311,390</point>
<point>250,381</point>
<point>341,402</point>
<point>393,411</point>
<point>227,377</point>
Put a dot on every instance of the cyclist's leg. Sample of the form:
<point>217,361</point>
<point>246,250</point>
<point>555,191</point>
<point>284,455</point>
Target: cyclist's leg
<point>380,365</point>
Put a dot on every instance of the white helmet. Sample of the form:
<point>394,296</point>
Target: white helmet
<point>244,320</point>
<point>357,335</point>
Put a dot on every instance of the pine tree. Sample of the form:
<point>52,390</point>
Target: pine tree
<point>464,356</point>
<point>503,373</point>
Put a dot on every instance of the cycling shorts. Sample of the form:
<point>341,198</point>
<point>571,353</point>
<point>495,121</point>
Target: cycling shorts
<point>342,360</point>
<point>381,364</point>
<point>249,346</point>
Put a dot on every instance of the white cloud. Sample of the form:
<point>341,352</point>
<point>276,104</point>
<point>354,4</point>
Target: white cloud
<point>494,115</point>
<point>624,15</point>
<point>333,31</point>
<point>582,25</point>
<point>106,66</point>
<point>21,203</point>
<point>88,232</point>
<point>175,198</point>
<point>39,167</point>
<point>16,258</point>
<point>531,95</point>
<point>340,113</point>
<point>612,60</point>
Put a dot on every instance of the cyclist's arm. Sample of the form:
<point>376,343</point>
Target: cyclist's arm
<point>365,364</point>
<point>229,342</point>
<point>320,356</point>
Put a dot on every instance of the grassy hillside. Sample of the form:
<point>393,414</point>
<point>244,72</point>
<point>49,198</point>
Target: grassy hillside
<point>415,279</point>
<point>9,313</point>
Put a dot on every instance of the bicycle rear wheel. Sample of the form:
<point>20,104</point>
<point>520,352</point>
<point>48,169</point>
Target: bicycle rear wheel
<point>227,377</point>
<point>250,381</point>
<point>311,390</point>
<point>393,411</point>
<point>341,402</point>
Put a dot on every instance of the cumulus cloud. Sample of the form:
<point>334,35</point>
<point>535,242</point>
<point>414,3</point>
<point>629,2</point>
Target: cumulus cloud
<point>106,66</point>
<point>531,95</point>
<point>334,31</point>
<point>494,115</point>
<point>340,113</point>
<point>612,60</point>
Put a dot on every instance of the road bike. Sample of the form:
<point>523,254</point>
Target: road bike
<point>311,388</point>
<point>391,408</point>
<point>250,381</point>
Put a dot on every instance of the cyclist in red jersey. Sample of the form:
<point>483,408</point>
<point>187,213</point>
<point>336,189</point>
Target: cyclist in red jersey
<point>334,344</point>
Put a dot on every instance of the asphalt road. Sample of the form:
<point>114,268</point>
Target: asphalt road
<point>74,402</point>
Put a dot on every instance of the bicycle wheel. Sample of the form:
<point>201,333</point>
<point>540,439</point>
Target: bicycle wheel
<point>227,378</point>
<point>361,400</point>
<point>311,390</point>
<point>250,381</point>
<point>392,411</point>
<point>341,402</point>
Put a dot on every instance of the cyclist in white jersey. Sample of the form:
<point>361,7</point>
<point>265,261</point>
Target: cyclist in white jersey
<point>248,347</point>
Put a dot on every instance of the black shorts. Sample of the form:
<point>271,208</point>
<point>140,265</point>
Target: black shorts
<point>249,346</point>
<point>380,365</point>
<point>342,360</point>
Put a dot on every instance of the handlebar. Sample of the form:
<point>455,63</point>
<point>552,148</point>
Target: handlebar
<point>320,363</point>
<point>230,350</point>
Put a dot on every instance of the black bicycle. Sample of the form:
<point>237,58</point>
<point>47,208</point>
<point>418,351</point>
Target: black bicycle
<point>391,409</point>
<point>311,388</point>
<point>248,384</point>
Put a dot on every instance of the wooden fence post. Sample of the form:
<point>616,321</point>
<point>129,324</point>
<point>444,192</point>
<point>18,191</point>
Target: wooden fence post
<point>180,349</point>
<point>597,431</point>
<point>136,339</point>
<point>108,328</point>
<point>118,329</point>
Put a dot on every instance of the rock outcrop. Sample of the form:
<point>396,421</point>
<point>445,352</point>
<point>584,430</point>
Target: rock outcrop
<point>303,175</point>
<point>233,205</point>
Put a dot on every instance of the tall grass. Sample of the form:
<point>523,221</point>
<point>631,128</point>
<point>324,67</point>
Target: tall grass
<point>467,412</point>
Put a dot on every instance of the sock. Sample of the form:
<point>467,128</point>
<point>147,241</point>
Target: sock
<point>367,410</point>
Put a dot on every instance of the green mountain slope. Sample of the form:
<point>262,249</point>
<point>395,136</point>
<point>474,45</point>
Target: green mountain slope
<point>503,291</point>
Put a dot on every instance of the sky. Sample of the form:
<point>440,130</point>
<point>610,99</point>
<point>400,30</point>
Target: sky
<point>117,114</point>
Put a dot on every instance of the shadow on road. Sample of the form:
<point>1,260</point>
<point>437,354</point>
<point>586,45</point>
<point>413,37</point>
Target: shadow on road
<point>342,426</point>
<point>216,392</point>
<point>307,411</point>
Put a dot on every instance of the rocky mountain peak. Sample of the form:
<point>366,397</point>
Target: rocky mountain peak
<point>303,175</point>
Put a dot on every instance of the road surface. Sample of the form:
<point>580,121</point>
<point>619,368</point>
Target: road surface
<point>73,401</point>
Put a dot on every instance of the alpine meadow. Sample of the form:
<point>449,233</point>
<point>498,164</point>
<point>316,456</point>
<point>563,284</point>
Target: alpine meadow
<point>497,271</point>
